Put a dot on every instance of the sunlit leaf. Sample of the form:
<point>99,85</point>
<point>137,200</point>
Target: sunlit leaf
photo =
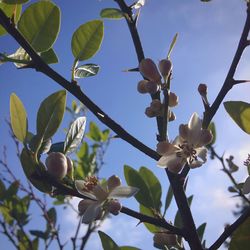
<point>18,118</point>
<point>9,10</point>
<point>50,114</point>
<point>94,132</point>
<point>172,45</point>
<point>107,242</point>
<point>14,1</point>
<point>87,40</point>
<point>75,135</point>
<point>40,24</point>
<point>111,13</point>
<point>86,70</point>
<point>134,179</point>
<point>241,237</point>
<point>240,113</point>
<point>154,186</point>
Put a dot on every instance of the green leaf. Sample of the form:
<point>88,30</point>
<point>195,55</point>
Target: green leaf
<point>241,237</point>
<point>14,1</point>
<point>169,198</point>
<point>86,70</point>
<point>40,24</point>
<point>9,11</point>
<point>211,127</point>
<point>49,56</point>
<point>172,45</point>
<point>129,248</point>
<point>148,211</point>
<point>107,242</point>
<point>50,114</point>
<point>30,167</point>
<point>111,13</point>
<point>87,40</point>
<point>57,147</point>
<point>39,234</point>
<point>52,215</point>
<point>134,179</point>
<point>94,132</point>
<point>201,230</point>
<point>75,135</point>
<point>105,135</point>
<point>12,190</point>
<point>2,190</point>
<point>178,220</point>
<point>18,118</point>
<point>240,113</point>
<point>154,186</point>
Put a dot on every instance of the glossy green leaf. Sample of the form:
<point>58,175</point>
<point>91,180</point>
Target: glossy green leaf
<point>134,179</point>
<point>154,186</point>
<point>111,13</point>
<point>241,237</point>
<point>178,220</point>
<point>201,230</point>
<point>169,198</point>
<point>50,114</point>
<point>172,45</point>
<point>9,11</point>
<point>18,118</point>
<point>87,40</point>
<point>129,248</point>
<point>86,70</point>
<point>240,113</point>
<point>211,127</point>
<point>75,135</point>
<point>148,211</point>
<point>43,146</point>
<point>40,24</point>
<point>49,56</point>
<point>14,1</point>
<point>30,167</point>
<point>107,242</point>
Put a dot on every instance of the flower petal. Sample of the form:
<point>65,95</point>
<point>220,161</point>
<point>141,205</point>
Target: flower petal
<point>196,164</point>
<point>100,193</point>
<point>79,184</point>
<point>123,191</point>
<point>246,186</point>
<point>195,128</point>
<point>91,212</point>
<point>202,153</point>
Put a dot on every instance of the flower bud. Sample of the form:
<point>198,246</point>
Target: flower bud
<point>114,207</point>
<point>162,239</point>
<point>149,112</point>
<point>165,67</point>
<point>83,205</point>
<point>152,87</point>
<point>206,137</point>
<point>142,86</point>
<point>156,105</point>
<point>149,70</point>
<point>113,182</point>
<point>56,163</point>
<point>173,99</point>
<point>162,147</point>
<point>183,131</point>
<point>171,116</point>
<point>246,186</point>
<point>202,88</point>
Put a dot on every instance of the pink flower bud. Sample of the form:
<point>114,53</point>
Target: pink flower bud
<point>173,99</point>
<point>114,207</point>
<point>113,182</point>
<point>152,87</point>
<point>202,89</point>
<point>142,86</point>
<point>149,70</point>
<point>149,112</point>
<point>165,67</point>
<point>57,165</point>
<point>156,105</point>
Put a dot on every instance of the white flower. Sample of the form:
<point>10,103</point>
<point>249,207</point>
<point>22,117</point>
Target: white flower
<point>188,147</point>
<point>100,195</point>
<point>139,4</point>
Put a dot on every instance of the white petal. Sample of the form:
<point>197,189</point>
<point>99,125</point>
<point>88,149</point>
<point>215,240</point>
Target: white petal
<point>139,4</point>
<point>100,193</point>
<point>202,153</point>
<point>246,187</point>
<point>91,212</point>
<point>79,184</point>
<point>195,126</point>
<point>196,164</point>
<point>123,191</point>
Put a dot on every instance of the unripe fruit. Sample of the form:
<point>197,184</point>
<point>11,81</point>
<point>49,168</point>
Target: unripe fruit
<point>114,207</point>
<point>113,182</point>
<point>173,99</point>
<point>152,87</point>
<point>149,112</point>
<point>148,69</point>
<point>142,87</point>
<point>69,164</point>
<point>57,165</point>
<point>165,67</point>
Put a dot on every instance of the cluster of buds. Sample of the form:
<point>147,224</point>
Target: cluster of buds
<point>58,165</point>
<point>102,197</point>
<point>164,239</point>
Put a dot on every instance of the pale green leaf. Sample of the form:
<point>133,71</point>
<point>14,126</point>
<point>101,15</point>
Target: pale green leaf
<point>9,10</point>
<point>86,70</point>
<point>111,13</point>
<point>240,113</point>
<point>50,114</point>
<point>172,45</point>
<point>40,24</point>
<point>148,211</point>
<point>87,40</point>
<point>107,242</point>
<point>14,1</point>
<point>18,118</point>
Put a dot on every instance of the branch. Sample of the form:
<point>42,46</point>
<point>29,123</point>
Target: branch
<point>229,230</point>
<point>229,81</point>
<point>74,89</point>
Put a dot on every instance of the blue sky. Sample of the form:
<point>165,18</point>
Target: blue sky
<point>208,36</point>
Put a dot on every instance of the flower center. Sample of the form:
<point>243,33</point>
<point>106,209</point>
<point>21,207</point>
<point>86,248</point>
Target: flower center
<point>187,151</point>
<point>90,183</point>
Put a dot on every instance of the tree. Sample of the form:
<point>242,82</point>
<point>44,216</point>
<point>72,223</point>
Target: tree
<point>36,31</point>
